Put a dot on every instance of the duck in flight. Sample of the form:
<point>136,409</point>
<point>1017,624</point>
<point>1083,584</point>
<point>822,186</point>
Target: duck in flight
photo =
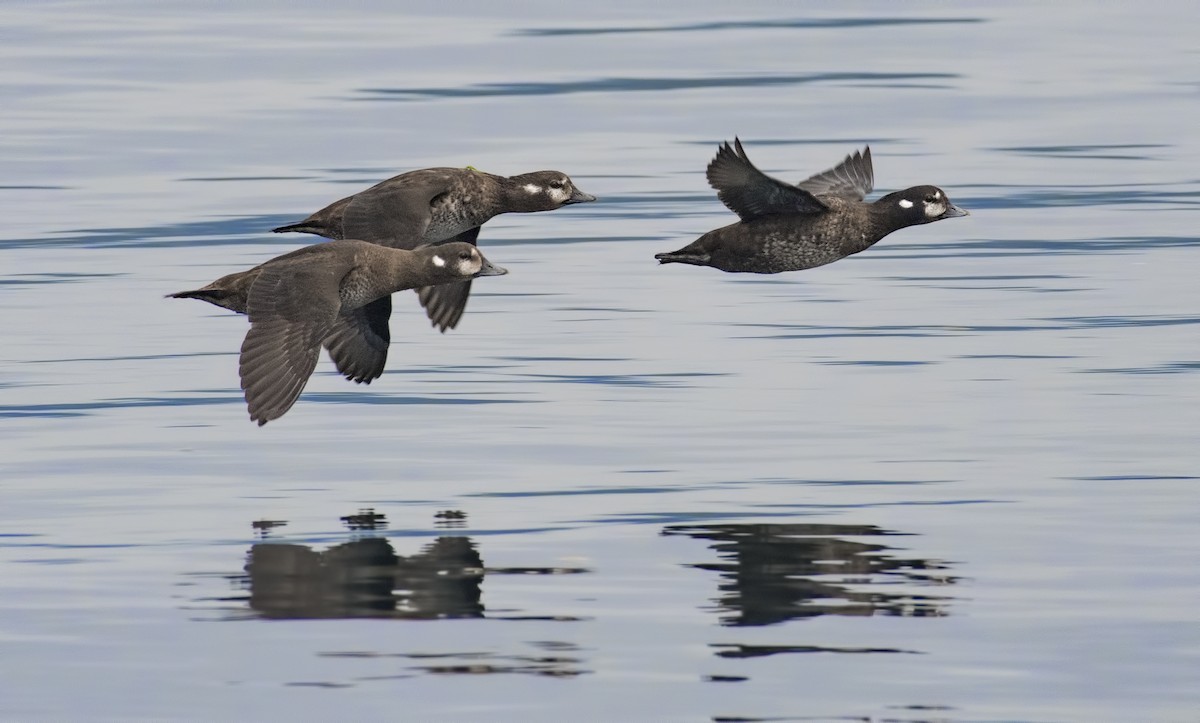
<point>436,205</point>
<point>335,295</point>
<point>815,222</point>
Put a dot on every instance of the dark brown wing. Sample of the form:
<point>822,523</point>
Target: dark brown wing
<point>291,308</point>
<point>396,212</point>
<point>358,341</point>
<point>750,193</point>
<point>444,304</point>
<point>851,179</point>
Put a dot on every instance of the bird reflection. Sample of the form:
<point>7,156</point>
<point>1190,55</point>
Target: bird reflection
<point>363,578</point>
<point>771,573</point>
<point>366,578</point>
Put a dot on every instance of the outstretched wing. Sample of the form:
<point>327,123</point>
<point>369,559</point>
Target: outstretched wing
<point>396,212</point>
<point>291,308</point>
<point>750,193</point>
<point>444,304</point>
<point>851,179</point>
<point>358,341</point>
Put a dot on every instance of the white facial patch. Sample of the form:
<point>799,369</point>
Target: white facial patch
<point>558,194</point>
<point>469,267</point>
<point>905,203</point>
<point>933,210</point>
<point>438,261</point>
<point>532,188</point>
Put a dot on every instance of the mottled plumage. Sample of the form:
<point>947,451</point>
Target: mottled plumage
<point>336,295</point>
<point>816,222</point>
<point>434,205</point>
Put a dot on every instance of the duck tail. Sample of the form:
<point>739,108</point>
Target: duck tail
<point>217,297</point>
<point>680,257</point>
<point>302,227</point>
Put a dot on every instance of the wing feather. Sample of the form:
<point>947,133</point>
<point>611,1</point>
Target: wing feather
<point>851,179</point>
<point>750,193</point>
<point>291,306</point>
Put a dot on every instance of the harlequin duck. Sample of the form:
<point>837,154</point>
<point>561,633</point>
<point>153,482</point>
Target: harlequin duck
<point>433,205</point>
<point>336,295</point>
<point>815,222</point>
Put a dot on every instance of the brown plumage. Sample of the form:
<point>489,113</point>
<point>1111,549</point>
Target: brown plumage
<point>336,295</point>
<point>818,221</point>
<point>433,205</point>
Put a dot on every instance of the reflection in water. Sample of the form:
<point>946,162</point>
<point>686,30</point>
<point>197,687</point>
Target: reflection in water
<point>734,650</point>
<point>774,573</point>
<point>366,578</point>
<point>450,519</point>
<point>656,85</point>
<point>553,665</point>
<point>365,519</point>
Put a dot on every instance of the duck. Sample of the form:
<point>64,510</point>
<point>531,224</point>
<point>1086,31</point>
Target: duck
<point>434,205</point>
<point>815,222</point>
<point>335,295</point>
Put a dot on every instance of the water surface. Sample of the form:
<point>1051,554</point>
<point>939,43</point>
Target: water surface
<point>953,478</point>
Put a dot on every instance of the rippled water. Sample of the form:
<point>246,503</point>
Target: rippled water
<point>954,478</point>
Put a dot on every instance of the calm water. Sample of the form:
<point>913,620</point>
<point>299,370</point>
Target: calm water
<point>955,478</point>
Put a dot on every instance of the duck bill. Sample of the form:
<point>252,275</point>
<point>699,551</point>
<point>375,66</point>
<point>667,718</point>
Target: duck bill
<point>954,212</point>
<point>578,196</point>
<point>490,269</point>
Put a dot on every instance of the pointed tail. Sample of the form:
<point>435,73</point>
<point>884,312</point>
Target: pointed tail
<point>302,227</point>
<point>217,297</point>
<point>679,257</point>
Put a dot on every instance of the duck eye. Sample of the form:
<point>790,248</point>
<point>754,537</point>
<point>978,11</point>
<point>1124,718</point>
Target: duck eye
<point>930,199</point>
<point>556,184</point>
<point>465,255</point>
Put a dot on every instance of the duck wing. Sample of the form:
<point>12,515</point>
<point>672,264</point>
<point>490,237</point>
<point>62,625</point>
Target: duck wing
<point>396,212</point>
<point>291,308</point>
<point>851,179</point>
<point>750,193</point>
<point>358,341</point>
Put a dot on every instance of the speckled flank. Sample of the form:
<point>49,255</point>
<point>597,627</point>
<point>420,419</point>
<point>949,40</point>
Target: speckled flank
<point>463,207</point>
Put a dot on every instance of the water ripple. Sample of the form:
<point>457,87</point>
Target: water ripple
<point>1007,248</point>
<point>1095,151</point>
<point>79,409</point>
<point>625,380</point>
<point>51,278</point>
<point>622,85</point>
<point>233,231</point>
<point>1066,323</point>
<point>814,23</point>
<point>1165,368</point>
<point>218,232</point>
<point>1058,196</point>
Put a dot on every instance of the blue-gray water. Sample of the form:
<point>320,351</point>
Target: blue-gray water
<point>954,478</point>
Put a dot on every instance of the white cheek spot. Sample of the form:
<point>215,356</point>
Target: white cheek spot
<point>933,210</point>
<point>438,261</point>
<point>905,203</point>
<point>532,188</point>
<point>466,267</point>
<point>558,194</point>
